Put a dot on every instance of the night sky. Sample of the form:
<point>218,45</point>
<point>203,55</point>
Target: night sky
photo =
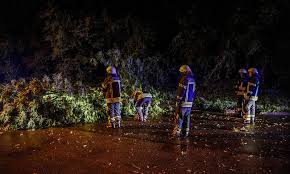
<point>21,18</point>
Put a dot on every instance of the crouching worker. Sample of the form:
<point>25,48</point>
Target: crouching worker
<point>142,102</point>
<point>251,96</point>
<point>240,90</point>
<point>112,92</point>
<point>184,100</point>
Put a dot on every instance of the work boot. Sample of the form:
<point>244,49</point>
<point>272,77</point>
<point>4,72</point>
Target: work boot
<point>178,133</point>
<point>110,123</point>
<point>186,134</point>
<point>113,125</point>
<point>252,120</point>
<point>241,115</point>
<point>118,121</point>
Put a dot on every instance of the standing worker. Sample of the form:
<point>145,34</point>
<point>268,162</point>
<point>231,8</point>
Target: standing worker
<point>142,102</point>
<point>184,100</point>
<point>240,90</point>
<point>112,92</point>
<point>251,96</point>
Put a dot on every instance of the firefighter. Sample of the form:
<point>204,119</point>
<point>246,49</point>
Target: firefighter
<point>112,92</point>
<point>142,102</point>
<point>184,100</point>
<point>240,90</point>
<point>251,96</point>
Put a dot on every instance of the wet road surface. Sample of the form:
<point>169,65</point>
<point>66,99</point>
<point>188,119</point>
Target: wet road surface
<point>216,145</point>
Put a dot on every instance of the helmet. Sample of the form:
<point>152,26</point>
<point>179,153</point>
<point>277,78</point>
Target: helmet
<point>184,69</point>
<point>253,70</point>
<point>111,70</point>
<point>243,71</point>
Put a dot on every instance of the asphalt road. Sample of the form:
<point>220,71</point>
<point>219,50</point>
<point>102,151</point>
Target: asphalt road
<point>215,145</point>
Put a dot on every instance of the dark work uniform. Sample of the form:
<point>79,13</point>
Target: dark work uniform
<point>251,98</point>
<point>112,91</point>
<point>142,102</point>
<point>184,101</point>
<point>240,89</point>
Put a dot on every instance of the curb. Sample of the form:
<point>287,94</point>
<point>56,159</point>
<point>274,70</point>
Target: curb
<point>233,113</point>
<point>275,113</point>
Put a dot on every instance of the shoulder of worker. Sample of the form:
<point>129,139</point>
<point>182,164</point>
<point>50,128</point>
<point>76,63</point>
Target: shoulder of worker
<point>183,79</point>
<point>189,78</point>
<point>115,77</point>
<point>254,79</point>
<point>257,78</point>
<point>146,95</point>
<point>137,93</point>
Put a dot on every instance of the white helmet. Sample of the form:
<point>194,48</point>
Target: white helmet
<point>111,70</point>
<point>243,71</point>
<point>185,69</point>
<point>253,70</point>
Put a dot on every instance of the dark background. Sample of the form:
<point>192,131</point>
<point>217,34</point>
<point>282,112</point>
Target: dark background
<point>208,30</point>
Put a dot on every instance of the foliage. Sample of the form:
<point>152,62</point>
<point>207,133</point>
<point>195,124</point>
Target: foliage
<point>146,53</point>
<point>273,104</point>
<point>136,72</point>
<point>221,104</point>
<point>215,104</point>
<point>93,42</point>
<point>215,38</point>
<point>38,104</point>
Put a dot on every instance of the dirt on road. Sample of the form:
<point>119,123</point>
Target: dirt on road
<point>216,145</point>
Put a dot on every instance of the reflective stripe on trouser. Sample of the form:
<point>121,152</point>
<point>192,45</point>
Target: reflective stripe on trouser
<point>114,112</point>
<point>118,118</point>
<point>146,110</point>
<point>140,113</point>
<point>184,116</point>
<point>143,111</point>
<point>249,114</point>
<point>142,108</point>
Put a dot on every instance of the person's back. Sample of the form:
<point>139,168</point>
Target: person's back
<point>253,87</point>
<point>184,99</point>
<point>112,92</point>
<point>112,88</point>
<point>240,90</point>
<point>142,102</point>
<point>251,96</point>
<point>186,90</point>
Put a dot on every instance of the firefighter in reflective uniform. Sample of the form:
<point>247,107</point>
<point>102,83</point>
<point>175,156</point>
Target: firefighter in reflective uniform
<point>142,102</point>
<point>240,90</point>
<point>112,92</point>
<point>184,100</point>
<point>251,95</point>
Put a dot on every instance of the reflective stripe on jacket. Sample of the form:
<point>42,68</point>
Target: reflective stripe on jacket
<point>186,91</point>
<point>112,89</point>
<point>253,88</point>
<point>139,95</point>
